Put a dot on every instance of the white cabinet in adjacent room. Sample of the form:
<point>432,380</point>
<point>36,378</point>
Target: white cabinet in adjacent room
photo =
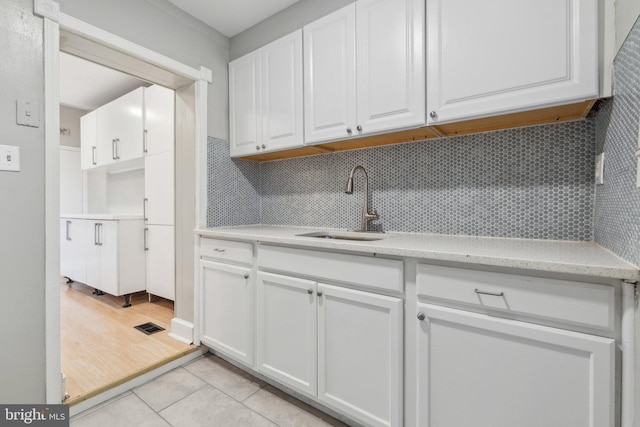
<point>73,249</point>
<point>227,315</point>
<point>160,260</point>
<point>104,253</point>
<point>483,371</point>
<point>500,56</point>
<point>364,70</point>
<point>159,190</point>
<point>89,140</point>
<point>120,128</point>
<point>265,98</point>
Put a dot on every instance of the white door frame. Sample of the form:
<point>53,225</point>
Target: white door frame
<point>54,21</point>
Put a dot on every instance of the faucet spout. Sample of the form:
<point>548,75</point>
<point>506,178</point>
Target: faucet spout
<point>366,215</point>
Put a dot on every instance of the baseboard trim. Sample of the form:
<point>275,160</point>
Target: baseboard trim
<point>181,330</point>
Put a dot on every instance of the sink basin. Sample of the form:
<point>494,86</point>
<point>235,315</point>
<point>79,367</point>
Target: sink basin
<point>344,235</point>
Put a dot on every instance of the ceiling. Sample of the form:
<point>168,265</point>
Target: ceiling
<point>86,85</point>
<point>231,17</point>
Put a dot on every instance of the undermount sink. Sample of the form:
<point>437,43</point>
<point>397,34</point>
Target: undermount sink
<point>357,236</point>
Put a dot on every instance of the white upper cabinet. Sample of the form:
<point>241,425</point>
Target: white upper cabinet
<point>364,70</point>
<point>330,76</point>
<point>265,98</point>
<point>120,128</point>
<point>159,120</point>
<point>244,104</point>
<point>501,56</point>
<point>282,121</point>
<point>390,64</point>
<point>89,140</point>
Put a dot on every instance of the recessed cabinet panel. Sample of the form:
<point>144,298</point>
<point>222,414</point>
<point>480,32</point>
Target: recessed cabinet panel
<point>159,119</point>
<point>73,253</point>
<point>360,354</point>
<point>481,371</point>
<point>330,77</point>
<point>282,116</point>
<point>498,56</point>
<point>227,317</point>
<point>244,104</point>
<point>287,331</point>
<point>390,64</point>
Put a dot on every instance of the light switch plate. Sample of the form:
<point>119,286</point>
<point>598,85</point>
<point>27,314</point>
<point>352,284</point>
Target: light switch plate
<point>28,113</point>
<point>600,168</point>
<point>9,158</point>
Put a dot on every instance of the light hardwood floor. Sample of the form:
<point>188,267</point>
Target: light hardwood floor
<point>100,346</point>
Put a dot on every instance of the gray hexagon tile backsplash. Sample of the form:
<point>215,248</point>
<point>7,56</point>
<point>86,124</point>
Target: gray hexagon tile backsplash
<point>534,182</point>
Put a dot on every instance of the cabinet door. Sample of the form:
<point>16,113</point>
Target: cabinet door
<point>120,128</point>
<point>159,119</point>
<point>73,254</point>
<point>476,370</point>
<point>282,118</point>
<point>360,354</point>
<point>102,256</point>
<point>227,310</point>
<point>330,77</point>
<point>89,141</point>
<point>244,105</point>
<point>160,261</point>
<point>390,64</point>
<point>159,188</point>
<point>499,56</point>
<point>287,331</point>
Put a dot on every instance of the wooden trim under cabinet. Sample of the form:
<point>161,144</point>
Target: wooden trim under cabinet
<point>548,115</point>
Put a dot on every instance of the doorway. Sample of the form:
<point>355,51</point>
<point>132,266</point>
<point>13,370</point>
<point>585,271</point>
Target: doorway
<point>190,85</point>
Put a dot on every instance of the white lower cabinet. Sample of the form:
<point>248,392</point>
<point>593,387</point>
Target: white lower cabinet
<point>338,345</point>
<point>482,371</point>
<point>73,253</point>
<point>160,260</point>
<point>227,311</point>
<point>105,254</point>
<point>287,320</point>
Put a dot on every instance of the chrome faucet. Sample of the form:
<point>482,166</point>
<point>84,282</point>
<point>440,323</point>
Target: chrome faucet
<point>366,216</point>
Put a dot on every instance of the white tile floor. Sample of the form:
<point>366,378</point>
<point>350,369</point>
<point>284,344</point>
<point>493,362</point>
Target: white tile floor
<point>207,392</point>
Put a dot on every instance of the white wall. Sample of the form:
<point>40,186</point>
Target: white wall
<point>22,218</point>
<point>627,12</point>
<point>161,27</point>
<point>281,24</point>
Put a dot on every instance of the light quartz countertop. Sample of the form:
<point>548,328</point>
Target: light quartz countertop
<point>103,216</point>
<point>581,258</point>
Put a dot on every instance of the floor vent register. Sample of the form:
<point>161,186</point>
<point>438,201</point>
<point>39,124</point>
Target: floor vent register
<point>149,328</point>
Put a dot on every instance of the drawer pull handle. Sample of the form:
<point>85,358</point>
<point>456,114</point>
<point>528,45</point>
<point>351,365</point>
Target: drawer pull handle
<point>421,316</point>
<point>495,294</point>
<point>319,293</point>
<point>219,250</point>
<point>246,276</point>
<point>310,291</point>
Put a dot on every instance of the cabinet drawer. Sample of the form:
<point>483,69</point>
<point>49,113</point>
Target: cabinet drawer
<point>578,303</point>
<point>226,250</point>
<point>369,272</point>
